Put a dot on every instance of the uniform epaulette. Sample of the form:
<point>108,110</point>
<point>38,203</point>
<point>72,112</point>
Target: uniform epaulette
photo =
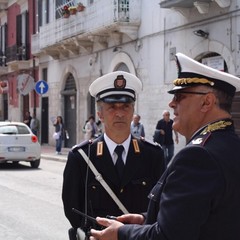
<point>150,142</point>
<point>81,145</point>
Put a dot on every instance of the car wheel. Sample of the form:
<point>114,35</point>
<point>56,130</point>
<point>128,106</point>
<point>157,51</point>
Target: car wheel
<point>35,164</point>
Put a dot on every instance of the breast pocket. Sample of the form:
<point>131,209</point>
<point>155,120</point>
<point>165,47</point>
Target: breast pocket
<point>99,200</point>
<point>135,194</point>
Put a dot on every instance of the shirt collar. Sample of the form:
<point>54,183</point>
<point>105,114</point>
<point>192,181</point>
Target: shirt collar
<point>112,145</point>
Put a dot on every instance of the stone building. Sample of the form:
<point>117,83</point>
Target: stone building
<point>137,36</point>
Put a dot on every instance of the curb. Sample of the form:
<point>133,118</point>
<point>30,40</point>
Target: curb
<point>54,158</point>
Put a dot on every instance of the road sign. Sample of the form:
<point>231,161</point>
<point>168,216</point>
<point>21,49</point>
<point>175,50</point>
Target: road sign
<point>41,87</point>
<point>25,83</point>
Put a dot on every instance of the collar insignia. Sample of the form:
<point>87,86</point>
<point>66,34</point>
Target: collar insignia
<point>216,126</point>
<point>99,148</point>
<point>136,146</point>
<point>197,141</point>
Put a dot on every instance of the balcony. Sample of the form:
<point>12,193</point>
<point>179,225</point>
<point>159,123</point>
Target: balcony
<point>17,58</point>
<point>3,5</point>
<point>103,24</point>
<point>202,5</point>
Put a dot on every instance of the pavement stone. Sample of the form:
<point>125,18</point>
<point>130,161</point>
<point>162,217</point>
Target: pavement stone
<point>49,153</point>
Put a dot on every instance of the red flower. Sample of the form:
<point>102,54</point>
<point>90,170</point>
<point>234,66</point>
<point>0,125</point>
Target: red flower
<point>65,10</point>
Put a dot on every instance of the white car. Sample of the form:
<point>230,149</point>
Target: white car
<point>18,143</point>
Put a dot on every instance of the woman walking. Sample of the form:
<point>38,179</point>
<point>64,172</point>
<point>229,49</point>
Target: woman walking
<point>59,131</point>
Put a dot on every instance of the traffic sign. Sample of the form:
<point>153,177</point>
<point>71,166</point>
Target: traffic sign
<point>25,83</point>
<point>41,87</point>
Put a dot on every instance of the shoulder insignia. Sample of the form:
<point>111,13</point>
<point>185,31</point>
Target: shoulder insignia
<point>81,145</point>
<point>100,148</point>
<point>136,146</point>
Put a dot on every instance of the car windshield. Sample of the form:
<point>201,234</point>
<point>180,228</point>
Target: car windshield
<point>13,129</point>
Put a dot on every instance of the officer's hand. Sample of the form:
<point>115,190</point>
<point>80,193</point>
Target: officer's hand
<point>131,219</point>
<point>109,233</point>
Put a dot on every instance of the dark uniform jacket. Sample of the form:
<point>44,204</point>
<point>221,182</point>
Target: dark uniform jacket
<point>198,196</point>
<point>144,166</point>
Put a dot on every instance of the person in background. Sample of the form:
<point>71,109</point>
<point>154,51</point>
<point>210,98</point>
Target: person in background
<point>137,128</point>
<point>130,166</point>
<point>60,129</point>
<point>198,195</point>
<point>28,118</point>
<point>34,124</point>
<point>166,134</point>
<point>91,128</point>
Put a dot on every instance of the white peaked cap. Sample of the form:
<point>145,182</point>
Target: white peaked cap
<point>116,86</point>
<point>192,73</point>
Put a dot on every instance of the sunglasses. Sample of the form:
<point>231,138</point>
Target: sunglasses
<point>178,96</point>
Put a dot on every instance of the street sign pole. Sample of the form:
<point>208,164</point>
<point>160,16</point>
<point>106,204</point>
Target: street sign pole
<point>41,88</point>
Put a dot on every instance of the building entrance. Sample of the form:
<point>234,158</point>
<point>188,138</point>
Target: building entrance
<point>70,109</point>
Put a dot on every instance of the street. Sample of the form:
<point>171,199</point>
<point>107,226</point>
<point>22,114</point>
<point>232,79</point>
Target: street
<point>31,205</point>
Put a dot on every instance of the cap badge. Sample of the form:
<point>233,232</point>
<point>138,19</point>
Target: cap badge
<point>120,82</point>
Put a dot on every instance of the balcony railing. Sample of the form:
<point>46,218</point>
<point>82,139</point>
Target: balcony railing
<point>97,18</point>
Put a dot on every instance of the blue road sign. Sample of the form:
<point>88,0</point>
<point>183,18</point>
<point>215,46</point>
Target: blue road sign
<point>41,87</point>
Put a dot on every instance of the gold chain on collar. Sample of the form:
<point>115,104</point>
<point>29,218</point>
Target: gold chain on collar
<point>216,126</point>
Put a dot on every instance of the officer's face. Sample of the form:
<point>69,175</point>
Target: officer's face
<point>189,110</point>
<point>116,117</point>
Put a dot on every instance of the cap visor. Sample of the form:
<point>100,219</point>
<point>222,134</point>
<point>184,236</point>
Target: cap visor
<point>117,99</point>
<point>178,88</point>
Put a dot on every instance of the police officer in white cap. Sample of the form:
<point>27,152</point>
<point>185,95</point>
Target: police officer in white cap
<point>198,196</point>
<point>130,166</point>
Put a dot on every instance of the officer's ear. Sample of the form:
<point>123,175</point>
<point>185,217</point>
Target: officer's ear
<point>208,102</point>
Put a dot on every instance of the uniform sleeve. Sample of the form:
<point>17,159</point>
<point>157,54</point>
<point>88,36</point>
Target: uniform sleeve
<point>72,191</point>
<point>194,184</point>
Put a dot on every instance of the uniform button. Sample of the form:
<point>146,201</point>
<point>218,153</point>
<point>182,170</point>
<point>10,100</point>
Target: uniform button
<point>93,187</point>
<point>144,183</point>
<point>151,195</point>
<point>121,190</point>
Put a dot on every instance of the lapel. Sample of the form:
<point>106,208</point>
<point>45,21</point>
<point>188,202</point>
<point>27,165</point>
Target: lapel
<point>132,161</point>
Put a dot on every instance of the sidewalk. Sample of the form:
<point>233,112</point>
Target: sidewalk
<point>49,153</point>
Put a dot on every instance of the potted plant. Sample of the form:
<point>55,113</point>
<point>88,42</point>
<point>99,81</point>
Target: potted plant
<point>80,7</point>
<point>72,10</point>
<point>65,11</point>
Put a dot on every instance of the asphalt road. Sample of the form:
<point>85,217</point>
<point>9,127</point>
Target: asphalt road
<point>30,202</point>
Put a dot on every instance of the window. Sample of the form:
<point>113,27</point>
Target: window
<point>60,4</point>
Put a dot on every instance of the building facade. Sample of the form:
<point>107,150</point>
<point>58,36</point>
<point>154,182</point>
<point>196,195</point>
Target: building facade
<point>137,36</point>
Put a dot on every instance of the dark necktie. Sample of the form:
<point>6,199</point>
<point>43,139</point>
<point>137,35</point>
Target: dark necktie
<point>119,164</point>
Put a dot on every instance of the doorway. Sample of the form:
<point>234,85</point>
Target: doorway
<point>236,112</point>
<point>44,120</point>
<point>70,119</point>
<point>70,111</point>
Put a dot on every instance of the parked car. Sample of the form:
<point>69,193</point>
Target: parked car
<point>18,143</point>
